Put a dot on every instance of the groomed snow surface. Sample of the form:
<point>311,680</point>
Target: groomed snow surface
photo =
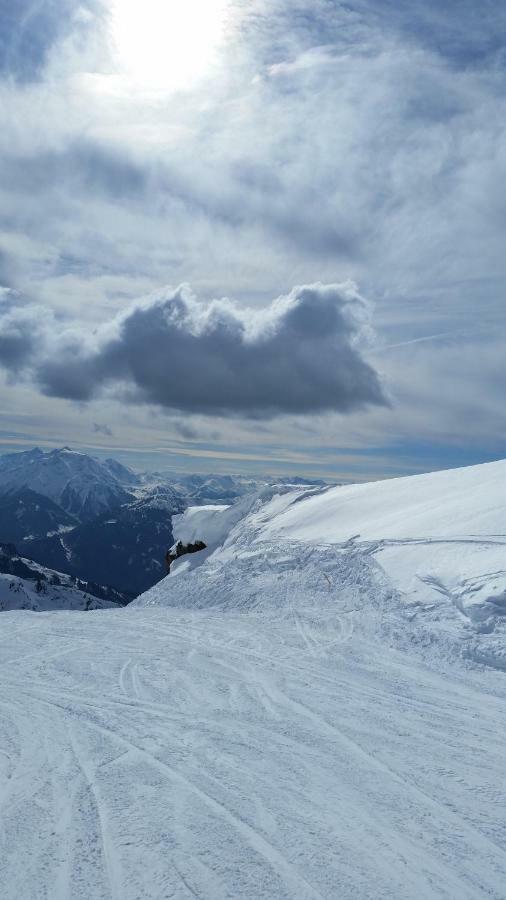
<point>316,710</point>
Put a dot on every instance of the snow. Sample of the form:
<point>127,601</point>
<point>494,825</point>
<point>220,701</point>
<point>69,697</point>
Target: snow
<point>19,593</point>
<point>283,720</point>
<point>439,504</point>
<point>62,529</point>
<point>441,537</point>
<point>79,483</point>
<point>213,523</point>
<point>200,523</point>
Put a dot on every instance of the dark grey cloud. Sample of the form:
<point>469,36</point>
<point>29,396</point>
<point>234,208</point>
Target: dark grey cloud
<point>300,355</point>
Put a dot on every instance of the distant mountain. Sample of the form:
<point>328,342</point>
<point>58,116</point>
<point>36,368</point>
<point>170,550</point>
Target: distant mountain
<point>81,485</point>
<point>26,585</point>
<point>125,548</point>
<point>199,490</point>
<point>203,489</point>
<point>120,472</point>
<point>25,515</point>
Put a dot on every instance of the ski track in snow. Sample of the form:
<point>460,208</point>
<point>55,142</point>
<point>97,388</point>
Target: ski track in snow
<point>300,738</point>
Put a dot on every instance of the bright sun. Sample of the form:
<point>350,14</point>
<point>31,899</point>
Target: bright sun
<point>166,44</point>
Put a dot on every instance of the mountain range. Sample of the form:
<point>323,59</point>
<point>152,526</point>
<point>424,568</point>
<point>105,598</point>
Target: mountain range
<point>97,520</point>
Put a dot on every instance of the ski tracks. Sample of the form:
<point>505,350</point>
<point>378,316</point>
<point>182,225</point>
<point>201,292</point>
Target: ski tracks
<point>220,755</point>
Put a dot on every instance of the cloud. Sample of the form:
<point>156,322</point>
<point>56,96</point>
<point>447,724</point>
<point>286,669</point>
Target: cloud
<point>359,140</point>
<point>300,355</point>
<point>102,429</point>
<point>83,166</point>
<point>345,139</point>
<point>20,331</point>
<point>186,430</point>
<point>30,29</point>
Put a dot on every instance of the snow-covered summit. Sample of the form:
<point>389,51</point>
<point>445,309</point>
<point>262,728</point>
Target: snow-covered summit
<point>82,485</point>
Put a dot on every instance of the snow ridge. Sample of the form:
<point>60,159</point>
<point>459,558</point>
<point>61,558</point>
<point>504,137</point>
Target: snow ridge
<point>447,588</point>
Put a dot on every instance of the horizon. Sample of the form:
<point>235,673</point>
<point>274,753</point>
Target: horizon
<point>139,463</point>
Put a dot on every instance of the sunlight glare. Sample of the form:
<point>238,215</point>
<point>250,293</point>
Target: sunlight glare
<point>166,44</point>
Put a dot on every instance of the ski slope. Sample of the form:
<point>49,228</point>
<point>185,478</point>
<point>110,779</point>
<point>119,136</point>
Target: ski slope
<point>281,720</point>
<point>440,537</point>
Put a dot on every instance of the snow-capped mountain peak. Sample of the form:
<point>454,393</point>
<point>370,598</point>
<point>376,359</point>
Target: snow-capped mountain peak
<point>82,485</point>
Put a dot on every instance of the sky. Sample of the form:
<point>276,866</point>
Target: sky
<point>254,235</point>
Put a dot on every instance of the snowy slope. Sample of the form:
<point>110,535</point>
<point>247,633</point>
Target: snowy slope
<point>18,593</point>
<point>279,721</point>
<point>441,539</point>
<point>449,582</point>
<point>25,515</point>
<point>24,584</point>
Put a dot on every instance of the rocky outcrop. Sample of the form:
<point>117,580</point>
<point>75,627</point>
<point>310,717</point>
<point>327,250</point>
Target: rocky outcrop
<point>181,549</point>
